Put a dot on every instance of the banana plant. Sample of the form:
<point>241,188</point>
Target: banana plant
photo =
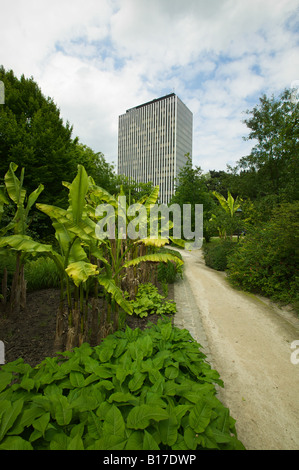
<point>123,253</point>
<point>230,206</point>
<point>80,260</point>
<point>13,192</point>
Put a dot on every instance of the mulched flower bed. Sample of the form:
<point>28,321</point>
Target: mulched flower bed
<point>30,335</point>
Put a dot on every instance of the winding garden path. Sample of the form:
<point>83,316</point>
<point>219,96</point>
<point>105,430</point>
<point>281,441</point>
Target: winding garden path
<point>248,341</point>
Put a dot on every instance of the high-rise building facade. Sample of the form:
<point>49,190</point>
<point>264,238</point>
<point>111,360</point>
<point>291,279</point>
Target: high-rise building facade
<point>153,140</point>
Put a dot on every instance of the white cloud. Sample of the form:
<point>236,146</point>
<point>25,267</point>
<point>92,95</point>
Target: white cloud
<point>98,58</point>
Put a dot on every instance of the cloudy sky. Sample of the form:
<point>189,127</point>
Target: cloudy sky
<point>97,58</point>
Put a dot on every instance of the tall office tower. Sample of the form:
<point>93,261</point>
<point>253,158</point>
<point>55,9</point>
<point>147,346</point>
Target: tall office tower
<point>153,139</point>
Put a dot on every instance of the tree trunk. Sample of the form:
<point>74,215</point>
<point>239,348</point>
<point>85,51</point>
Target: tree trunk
<point>4,290</point>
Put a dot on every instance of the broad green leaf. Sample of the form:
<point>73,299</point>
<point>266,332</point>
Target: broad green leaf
<point>59,441</point>
<point>32,198</point>
<point>54,212</point>
<point>154,375</point>
<point>200,416</point>
<point>190,438</point>
<point>77,379</point>
<point>171,372</point>
<point>14,185</point>
<point>62,410</point>
<point>120,348</point>
<point>157,242</point>
<point>27,383</point>
<point>167,331</point>
<point>110,442</point>
<point>180,411</point>
<point>168,430</point>
<point>114,423</point>
<point>152,198</point>
<point>178,241</point>
<point>146,345</point>
<point>9,412</point>
<point>180,444</point>
<point>24,243</point>
<point>15,443</point>
<point>78,190</point>
<point>154,258</point>
<point>137,381</point>
<point>122,397</point>
<point>95,426</point>
<point>135,441</point>
<point>140,416</point>
<point>93,367</point>
<point>80,271</point>
<point>106,352</point>
<point>76,443</point>
<point>116,293</point>
<point>122,373</point>
<point>153,399</point>
<point>149,442</point>
<point>218,436</point>
<point>5,379</point>
<point>103,196</point>
<point>41,423</point>
<point>25,419</point>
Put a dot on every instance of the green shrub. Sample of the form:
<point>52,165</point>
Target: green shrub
<point>215,254</point>
<point>137,390</point>
<point>267,259</point>
<point>148,301</point>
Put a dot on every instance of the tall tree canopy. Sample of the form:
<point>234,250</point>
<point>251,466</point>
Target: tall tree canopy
<point>273,164</point>
<point>33,135</point>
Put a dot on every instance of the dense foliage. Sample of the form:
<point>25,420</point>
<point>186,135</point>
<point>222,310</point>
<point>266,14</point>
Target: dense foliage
<point>267,259</point>
<point>86,261</point>
<point>148,301</point>
<point>216,254</point>
<point>137,390</point>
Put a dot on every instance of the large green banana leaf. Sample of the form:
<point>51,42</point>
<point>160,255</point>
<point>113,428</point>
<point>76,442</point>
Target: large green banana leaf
<point>158,242</point>
<point>14,185</point>
<point>25,243</point>
<point>229,205</point>
<point>84,229</point>
<point>32,198</point>
<point>117,294</point>
<point>80,271</point>
<point>53,212</point>
<point>155,258</point>
<point>77,193</point>
<point>100,195</point>
<point>152,198</point>
<point>69,245</point>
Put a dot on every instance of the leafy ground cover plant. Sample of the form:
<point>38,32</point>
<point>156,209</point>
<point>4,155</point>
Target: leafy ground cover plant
<point>148,301</point>
<point>137,390</point>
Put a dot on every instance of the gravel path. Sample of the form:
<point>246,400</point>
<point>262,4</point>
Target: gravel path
<point>248,341</point>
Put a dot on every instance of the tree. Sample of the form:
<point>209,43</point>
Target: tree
<point>96,166</point>
<point>272,166</point>
<point>191,189</point>
<point>33,135</point>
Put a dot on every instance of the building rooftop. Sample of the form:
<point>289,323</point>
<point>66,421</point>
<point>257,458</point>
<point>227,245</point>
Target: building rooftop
<point>150,102</point>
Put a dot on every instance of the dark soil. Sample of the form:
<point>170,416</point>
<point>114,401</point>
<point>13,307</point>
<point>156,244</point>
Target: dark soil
<point>30,335</point>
